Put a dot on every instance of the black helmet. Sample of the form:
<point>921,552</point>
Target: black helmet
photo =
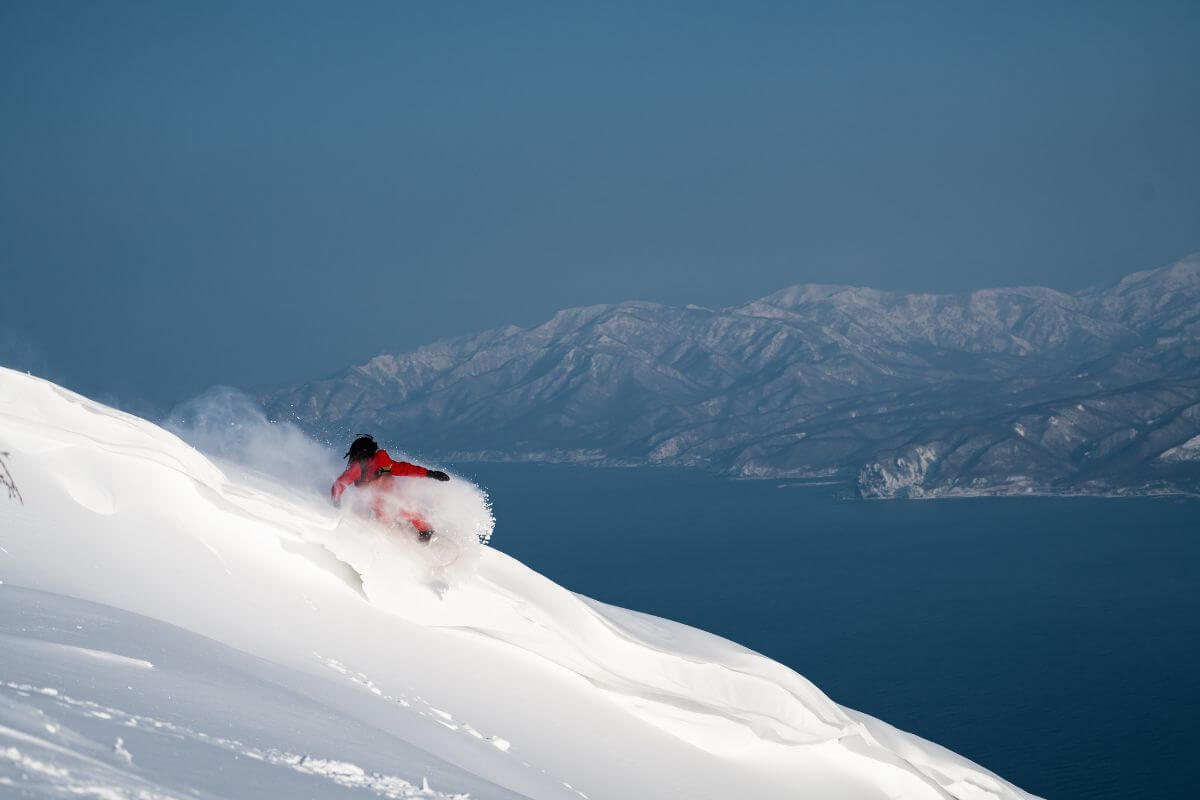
<point>362,448</point>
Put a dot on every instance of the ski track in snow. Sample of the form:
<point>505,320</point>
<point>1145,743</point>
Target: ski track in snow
<point>96,778</point>
<point>424,709</point>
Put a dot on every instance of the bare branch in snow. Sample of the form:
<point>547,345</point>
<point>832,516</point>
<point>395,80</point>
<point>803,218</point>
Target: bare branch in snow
<point>7,481</point>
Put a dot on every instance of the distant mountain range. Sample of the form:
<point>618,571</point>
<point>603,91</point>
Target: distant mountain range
<point>999,391</point>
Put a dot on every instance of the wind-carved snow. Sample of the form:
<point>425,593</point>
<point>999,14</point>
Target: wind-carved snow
<point>298,647</point>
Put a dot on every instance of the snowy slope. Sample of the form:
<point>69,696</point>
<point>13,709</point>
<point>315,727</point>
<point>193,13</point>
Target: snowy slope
<point>166,631</point>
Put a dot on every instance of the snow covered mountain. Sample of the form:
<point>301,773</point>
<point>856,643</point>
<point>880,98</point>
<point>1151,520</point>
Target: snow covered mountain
<point>171,627</point>
<point>995,391</point>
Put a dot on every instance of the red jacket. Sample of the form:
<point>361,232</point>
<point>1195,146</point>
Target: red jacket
<point>379,467</point>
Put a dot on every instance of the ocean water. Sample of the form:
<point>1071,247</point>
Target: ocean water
<point>1055,641</point>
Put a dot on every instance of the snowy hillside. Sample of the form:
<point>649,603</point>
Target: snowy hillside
<point>817,381</point>
<point>172,627</point>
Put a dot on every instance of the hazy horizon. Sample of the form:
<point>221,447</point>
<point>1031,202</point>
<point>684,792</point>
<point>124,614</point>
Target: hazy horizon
<point>18,353</point>
<point>245,195</point>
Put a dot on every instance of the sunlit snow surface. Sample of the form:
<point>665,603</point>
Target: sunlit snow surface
<point>174,628</point>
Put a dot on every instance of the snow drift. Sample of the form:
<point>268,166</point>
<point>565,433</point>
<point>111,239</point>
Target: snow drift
<point>178,627</point>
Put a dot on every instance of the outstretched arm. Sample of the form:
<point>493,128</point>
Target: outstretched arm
<point>408,469</point>
<point>352,473</point>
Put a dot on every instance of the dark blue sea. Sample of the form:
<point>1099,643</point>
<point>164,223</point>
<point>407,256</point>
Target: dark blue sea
<point>1054,641</point>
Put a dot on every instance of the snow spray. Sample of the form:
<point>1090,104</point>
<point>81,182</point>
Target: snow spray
<point>231,428</point>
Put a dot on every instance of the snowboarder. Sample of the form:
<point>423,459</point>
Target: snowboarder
<point>374,468</point>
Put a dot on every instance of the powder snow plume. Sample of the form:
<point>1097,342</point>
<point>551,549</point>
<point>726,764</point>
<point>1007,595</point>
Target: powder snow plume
<point>231,428</point>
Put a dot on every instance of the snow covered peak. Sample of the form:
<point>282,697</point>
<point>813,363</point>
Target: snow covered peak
<point>812,380</point>
<point>1168,297</point>
<point>1182,274</point>
<point>294,649</point>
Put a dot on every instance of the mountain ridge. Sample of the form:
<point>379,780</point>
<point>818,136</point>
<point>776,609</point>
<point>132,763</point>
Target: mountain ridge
<point>813,380</point>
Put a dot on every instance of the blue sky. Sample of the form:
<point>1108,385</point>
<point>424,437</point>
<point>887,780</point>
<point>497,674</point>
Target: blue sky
<point>200,193</point>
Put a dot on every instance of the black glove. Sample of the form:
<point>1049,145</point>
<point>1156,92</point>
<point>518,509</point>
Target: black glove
<point>437,475</point>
